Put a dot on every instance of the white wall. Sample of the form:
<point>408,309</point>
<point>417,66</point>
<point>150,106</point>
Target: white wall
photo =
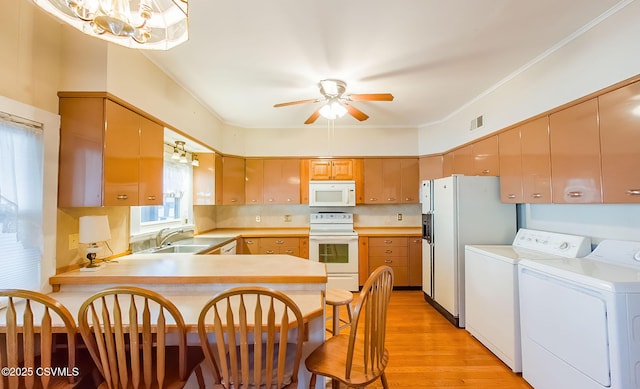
<point>604,55</point>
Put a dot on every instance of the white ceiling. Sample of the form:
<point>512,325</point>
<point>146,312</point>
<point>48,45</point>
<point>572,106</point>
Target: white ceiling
<point>434,56</point>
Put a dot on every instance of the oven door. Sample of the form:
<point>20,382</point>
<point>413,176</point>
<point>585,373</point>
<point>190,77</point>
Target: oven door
<point>339,253</point>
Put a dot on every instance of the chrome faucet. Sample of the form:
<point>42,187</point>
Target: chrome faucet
<point>160,239</point>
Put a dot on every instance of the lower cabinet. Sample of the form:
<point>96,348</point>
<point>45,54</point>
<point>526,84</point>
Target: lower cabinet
<point>402,253</point>
<point>295,246</point>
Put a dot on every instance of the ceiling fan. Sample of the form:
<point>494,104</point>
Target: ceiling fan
<point>337,103</point>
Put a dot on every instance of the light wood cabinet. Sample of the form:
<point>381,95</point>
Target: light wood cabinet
<point>485,157</point>
<point>415,261</point>
<point>254,181</point>
<point>431,167</point>
<point>391,180</point>
<point>109,155</point>
<point>331,169</point>
<point>393,251</point>
<point>233,179</point>
<point>204,180</point>
<point>575,154</point>
<point>281,181</point>
<point>463,160</point>
<point>510,166</point>
<point>447,164</point>
<point>620,144</point>
<point>296,246</point>
<point>525,163</point>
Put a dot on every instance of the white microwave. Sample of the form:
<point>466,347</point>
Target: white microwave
<point>332,193</point>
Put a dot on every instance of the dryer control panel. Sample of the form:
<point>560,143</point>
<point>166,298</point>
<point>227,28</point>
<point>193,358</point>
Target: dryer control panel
<point>564,245</point>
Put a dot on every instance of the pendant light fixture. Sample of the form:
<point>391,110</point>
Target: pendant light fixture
<point>140,24</point>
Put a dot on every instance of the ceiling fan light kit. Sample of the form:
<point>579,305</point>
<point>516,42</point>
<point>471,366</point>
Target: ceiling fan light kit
<point>140,24</point>
<point>336,103</point>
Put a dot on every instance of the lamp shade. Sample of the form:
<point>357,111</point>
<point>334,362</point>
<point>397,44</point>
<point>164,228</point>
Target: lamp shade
<point>94,229</point>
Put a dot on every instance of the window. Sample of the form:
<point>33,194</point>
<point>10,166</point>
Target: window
<point>178,199</point>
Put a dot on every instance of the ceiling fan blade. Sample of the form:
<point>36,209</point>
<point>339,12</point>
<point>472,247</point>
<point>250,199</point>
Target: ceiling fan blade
<point>296,102</point>
<point>371,97</point>
<point>313,116</point>
<point>356,113</point>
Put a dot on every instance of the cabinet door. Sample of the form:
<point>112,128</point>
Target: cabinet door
<point>447,164</point>
<point>510,166</point>
<point>391,181</point>
<point>463,161</point>
<point>373,181</point>
<point>232,181</point>
<point>151,163</point>
<point>485,157</point>
<point>254,181</point>
<point>575,154</point>
<point>620,144</point>
<point>320,169</point>
<point>204,180</point>
<point>536,161</point>
<point>342,169</point>
<point>431,167</point>
<point>415,261</point>
<point>121,150</point>
<point>410,181</point>
<point>281,181</point>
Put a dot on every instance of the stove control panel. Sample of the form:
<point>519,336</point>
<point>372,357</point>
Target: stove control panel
<point>564,245</point>
<point>331,218</point>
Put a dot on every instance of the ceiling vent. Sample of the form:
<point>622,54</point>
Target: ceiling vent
<point>476,123</point>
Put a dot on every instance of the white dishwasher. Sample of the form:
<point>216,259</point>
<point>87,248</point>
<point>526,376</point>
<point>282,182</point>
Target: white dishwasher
<point>491,287</point>
<point>228,249</point>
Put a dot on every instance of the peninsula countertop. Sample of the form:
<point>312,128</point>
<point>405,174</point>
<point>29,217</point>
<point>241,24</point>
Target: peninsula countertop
<point>190,271</point>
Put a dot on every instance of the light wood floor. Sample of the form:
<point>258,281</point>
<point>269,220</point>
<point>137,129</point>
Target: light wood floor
<point>426,351</point>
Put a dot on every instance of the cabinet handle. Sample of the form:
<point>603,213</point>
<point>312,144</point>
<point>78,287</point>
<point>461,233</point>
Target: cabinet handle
<point>408,199</point>
<point>416,240</point>
<point>270,200</point>
<point>290,252</point>
<point>373,199</point>
<point>279,241</point>
<point>536,195</point>
<point>270,251</point>
<point>122,197</point>
<point>575,194</point>
<point>388,261</point>
<point>151,197</point>
<point>288,200</point>
<point>511,196</point>
<point>387,241</point>
<point>388,251</point>
<point>633,192</point>
<point>234,200</point>
<point>249,242</point>
<point>391,199</point>
<point>254,201</point>
<point>485,171</point>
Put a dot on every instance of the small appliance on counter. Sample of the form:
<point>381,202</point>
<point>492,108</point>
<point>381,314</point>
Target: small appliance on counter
<point>334,242</point>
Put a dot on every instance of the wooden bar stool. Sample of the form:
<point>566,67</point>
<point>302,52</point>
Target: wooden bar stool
<point>336,298</point>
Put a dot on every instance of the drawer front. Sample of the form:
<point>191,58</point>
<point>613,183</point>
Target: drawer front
<point>388,261</point>
<point>279,242</point>
<point>388,241</point>
<point>400,275</point>
<point>251,246</point>
<point>389,251</point>
<point>295,251</point>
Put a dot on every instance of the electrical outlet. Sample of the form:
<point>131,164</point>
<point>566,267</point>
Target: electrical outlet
<point>258,219</point>
<point>399,217</point>
<point>287,218</point>
<point>73,241</point>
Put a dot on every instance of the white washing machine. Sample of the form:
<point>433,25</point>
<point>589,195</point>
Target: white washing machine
<point>581,319</point>
<point>491,286</point>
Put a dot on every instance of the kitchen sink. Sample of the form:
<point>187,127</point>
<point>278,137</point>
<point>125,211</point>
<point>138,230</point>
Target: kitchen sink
<point>181,248</point>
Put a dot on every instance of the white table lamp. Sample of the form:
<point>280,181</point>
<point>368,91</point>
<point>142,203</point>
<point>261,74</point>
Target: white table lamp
<point>94,229</point>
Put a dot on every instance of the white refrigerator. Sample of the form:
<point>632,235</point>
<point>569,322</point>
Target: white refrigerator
<point>466,210</point>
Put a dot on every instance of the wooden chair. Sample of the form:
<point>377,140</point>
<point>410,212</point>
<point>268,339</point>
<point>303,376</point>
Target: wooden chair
<point>335,298</point>
<point>128,343</point>
<point>29,345</point>
<point>359,358</point>
<point>252,338</point>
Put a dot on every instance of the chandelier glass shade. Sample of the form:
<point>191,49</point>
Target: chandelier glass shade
<point>333,109</point>
<point>140,24</point>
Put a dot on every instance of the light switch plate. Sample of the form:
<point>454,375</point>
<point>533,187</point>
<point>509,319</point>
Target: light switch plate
<point>73,241</point>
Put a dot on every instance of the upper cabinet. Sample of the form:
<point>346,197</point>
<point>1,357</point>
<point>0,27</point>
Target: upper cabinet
<point>477,159</point>
<point>332,169</point>
<point>575,154</point>
<point>431,167</point>
<point>254,181</point>
<point>205,177</point>
<point>109,154</point>
<point>281,183</point>
<point>620,144</point>
<point>233,180</point>
<point>391,180</point>
<point>525,163</point>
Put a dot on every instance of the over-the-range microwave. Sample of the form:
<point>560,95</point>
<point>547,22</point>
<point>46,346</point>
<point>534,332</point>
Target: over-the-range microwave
<point>332,193</point>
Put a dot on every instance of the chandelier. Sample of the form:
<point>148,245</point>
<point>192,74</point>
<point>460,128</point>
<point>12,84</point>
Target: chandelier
<point>140,24</point>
